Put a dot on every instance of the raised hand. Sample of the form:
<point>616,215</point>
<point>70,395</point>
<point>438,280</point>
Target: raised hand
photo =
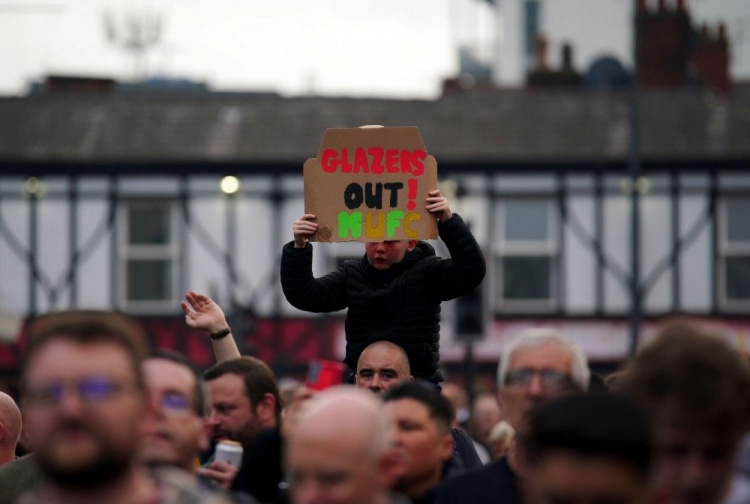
<point>303,229</point>
<point>202,313</point>
<point>438,206</point>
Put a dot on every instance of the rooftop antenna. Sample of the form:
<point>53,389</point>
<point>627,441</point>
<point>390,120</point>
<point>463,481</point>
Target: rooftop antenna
<point>135,33</point>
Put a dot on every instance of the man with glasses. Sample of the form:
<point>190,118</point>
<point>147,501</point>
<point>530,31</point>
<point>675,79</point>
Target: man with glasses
<point>175,430</point>
<point>538,364</point>
<point>84,401</point>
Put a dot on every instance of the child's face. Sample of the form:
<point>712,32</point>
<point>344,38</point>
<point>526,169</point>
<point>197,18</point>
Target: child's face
<point>383,255</point>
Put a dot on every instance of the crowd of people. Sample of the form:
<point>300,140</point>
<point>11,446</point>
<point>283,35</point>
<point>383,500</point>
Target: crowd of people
<point>107,420</point>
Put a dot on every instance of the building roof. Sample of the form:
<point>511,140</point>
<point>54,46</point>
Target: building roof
<point>471,127</point>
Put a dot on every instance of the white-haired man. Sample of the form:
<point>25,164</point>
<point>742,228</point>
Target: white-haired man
<point>538,364</point>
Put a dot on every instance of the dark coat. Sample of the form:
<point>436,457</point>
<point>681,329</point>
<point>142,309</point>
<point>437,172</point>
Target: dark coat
<point>491,484</point>
<point>401,304</point>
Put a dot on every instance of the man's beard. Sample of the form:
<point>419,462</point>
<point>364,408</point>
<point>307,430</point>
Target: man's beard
<point>108,462</point>
<point>246,434</point>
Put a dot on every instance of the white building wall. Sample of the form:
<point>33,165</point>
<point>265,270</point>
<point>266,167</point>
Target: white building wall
<point>696,261</point>
<point>579,269</point>
<point>616,242</point>
<point>53,250</point>
<point>94,278</point>
<point>656,246</point>
<point>14,271</point>
<point>205,271</point>
<point>257,256</point>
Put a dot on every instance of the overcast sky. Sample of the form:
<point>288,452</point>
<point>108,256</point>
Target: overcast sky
<point>395,48</point>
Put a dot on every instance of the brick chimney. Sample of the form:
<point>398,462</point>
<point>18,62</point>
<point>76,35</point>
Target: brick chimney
<point>663,40</point>
<point>710,60</point>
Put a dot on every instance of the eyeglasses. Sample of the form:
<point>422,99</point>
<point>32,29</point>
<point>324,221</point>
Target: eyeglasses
<point>91,390</point>
<point>549,378</point>
<point>174,403</point>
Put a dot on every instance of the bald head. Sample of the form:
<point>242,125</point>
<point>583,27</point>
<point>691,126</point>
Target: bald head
<point>344,412</point>
<point>10,427</point>
<point>382,365</point>
<point>339,449</point>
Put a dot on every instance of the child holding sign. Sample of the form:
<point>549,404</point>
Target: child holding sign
<point>394,292</point>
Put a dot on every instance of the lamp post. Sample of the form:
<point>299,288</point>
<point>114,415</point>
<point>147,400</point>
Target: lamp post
<point>634,172</point>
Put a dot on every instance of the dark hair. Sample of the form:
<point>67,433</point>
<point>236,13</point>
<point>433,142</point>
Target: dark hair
<point>594,424</point>
<point>85,327</point>
<point>691,368</point>
<point>258,377</point>
<point>440,408</point>
<point>597,384</point>
<point>199,396</point>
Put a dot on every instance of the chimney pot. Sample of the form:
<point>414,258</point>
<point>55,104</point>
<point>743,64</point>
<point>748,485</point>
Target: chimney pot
<point>567,56</point>
<point>704,32</point>
<point>541,52</point>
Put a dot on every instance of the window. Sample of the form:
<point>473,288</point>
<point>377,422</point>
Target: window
<point>526,254</point>
<point>149,255</point>
<point>734,252</point>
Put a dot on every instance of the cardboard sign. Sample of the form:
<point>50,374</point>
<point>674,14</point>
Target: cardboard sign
<point>370,184</point>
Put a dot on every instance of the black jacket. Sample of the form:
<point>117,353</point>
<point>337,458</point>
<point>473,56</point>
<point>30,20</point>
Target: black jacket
<point>491,484</point>
<point>401,304</point>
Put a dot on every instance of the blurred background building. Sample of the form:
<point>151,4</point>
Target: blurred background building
<point>125,194</point>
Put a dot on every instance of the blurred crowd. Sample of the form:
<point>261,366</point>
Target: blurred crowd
<point>104,419</point>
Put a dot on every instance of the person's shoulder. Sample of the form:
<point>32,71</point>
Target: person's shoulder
<point>399,498</point>
<point>422,251</point>
<point>490,483</point>
<point>465,450</point>
<point>23,464</point>
<point>480,475</point>
<point>19,476</point>
<point>459,435</point>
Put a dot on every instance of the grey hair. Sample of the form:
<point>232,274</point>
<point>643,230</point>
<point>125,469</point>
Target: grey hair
<point>538,336</point>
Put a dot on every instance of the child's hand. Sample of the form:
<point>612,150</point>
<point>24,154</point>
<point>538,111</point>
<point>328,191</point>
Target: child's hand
<point>304,228</point>
<point>437,205</point>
